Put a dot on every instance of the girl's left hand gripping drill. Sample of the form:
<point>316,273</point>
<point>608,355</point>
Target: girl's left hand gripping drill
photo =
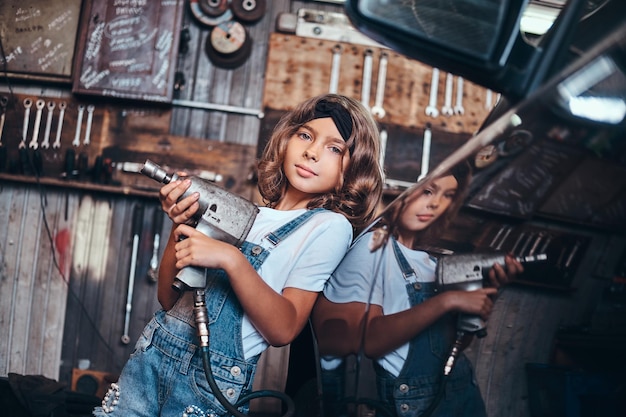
<point>222,215</point>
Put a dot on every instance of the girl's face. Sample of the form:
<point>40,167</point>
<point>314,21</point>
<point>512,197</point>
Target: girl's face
<point>315,159</point>
<point>424,209</point>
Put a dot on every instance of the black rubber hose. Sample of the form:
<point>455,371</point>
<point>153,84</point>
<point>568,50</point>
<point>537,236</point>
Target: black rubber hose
<point>201,314</point>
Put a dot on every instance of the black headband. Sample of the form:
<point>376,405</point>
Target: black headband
<point>338,113</point>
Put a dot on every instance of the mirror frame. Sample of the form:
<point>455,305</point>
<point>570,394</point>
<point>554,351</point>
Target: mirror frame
<point>514,68</point>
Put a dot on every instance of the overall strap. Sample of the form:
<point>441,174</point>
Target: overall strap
<point>285,230</point>
<point>407,271</point>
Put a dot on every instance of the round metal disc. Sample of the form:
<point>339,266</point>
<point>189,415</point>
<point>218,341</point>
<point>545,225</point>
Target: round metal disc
<point>229,45</point>
<point>213,8</point>
<point>248,11</point>
<point>204,18</point>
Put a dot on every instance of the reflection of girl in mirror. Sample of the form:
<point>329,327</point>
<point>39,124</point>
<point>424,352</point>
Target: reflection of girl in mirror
<point>320,179</point>
<point>409,327</point>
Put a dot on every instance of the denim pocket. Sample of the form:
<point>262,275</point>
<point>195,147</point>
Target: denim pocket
<point>232,377</point>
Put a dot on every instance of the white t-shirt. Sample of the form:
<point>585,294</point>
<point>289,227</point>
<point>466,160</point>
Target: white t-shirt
<point>375,277</point>
<point>304,260</point>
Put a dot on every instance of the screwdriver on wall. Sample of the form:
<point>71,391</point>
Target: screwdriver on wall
<point>136,227</point>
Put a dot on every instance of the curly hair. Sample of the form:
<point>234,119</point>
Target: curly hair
<point>391,215</point>
<point>359,193</point>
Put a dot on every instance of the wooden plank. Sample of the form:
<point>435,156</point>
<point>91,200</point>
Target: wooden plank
<point>37,314</point>
<point>52,343</point>
<point>187,62</point>
<point>231,161</point>
<point>8,266</point>
<point>24,276</point>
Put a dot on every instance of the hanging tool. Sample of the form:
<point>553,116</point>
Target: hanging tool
<point>57,141</point>
<point>426,152</point>
<point>334,69</point>
<point>377,109</point>
<point>447,109</point>
<point>367,78</point>
<point>431,109</point>
<point>157,226</point>
<point>488,99</point>
<point>34,143</point>
<point>458,105</point>
<point>90,109</point>
<point>46,136</point>
<point>136,228</point>
<point>27,105</point>
<point>79,122</point>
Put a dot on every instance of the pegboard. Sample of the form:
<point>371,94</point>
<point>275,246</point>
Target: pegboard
<point>301,67</point>
<point>121,136</point>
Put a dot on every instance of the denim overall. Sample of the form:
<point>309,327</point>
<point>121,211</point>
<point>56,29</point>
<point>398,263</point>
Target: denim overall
<point>415,388</point>
<point>165,376</point>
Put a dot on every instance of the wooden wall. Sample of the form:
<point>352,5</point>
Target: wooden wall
<point>57,318</point>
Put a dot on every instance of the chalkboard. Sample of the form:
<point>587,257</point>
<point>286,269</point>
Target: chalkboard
<point>128,49</point>
<point>522,186</point>
<point>39,38</point>
<point>594,193</point>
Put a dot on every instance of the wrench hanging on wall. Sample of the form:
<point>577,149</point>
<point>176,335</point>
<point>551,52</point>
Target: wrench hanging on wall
<point>46,136</point>
<point>79,122</point>
<point>458,105</point>
<point>57,141</point>
<point>28,103</point>
<point>377,109</point>
<point>447,109</point>
<point>34,143</point>
<point>334,70</point>
<point>367,78</point>
<point>431,109</point>
<point>425,152</point>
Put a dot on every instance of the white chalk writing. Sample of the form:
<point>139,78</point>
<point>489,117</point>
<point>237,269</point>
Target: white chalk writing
<point>60,21</point>
<point>48,55</point>
<point>11,56</point>
<point>95,42</point>
<point>159,78</point>
<point>22,15</point>
<point>130,3</point>
<point>126,82</point>
<point>89,78</point>
<point>127,43</point>
<point>164,44</point>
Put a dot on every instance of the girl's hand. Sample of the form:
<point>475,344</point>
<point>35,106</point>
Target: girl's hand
<point>195,248</point>
<point>499,275</point>
<point>477,302</point>
<point>178,211</point>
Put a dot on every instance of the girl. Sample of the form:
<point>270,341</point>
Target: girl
<point>408,329</point>
<point>320,179</point>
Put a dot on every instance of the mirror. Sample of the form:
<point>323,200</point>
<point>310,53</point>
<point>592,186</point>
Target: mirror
<point>350,365</point>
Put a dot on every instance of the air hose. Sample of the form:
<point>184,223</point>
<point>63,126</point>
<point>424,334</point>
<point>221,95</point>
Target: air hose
<point>447,369</point>
<point>202,330</point>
